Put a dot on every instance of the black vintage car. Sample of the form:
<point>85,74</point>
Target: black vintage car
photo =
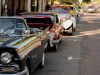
<point>21,48</point>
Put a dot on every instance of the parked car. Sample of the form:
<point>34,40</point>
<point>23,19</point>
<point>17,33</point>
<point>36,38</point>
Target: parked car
<point>52,15</point>
<point>21,47</point>
<point>73,10</point>
<point>91,9</point>
<point>48,19</point>
<point>85,8</point>
<point>68,21</point>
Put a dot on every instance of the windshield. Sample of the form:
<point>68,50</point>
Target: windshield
<point>12,26</point>
<point>60,10</point>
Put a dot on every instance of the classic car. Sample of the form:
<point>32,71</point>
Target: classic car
<point>21,47</point>
<point>52,15</point>
<point>91,9</point>
<point>69,21</point>
<point>51,19</point>
<point>73,10</point>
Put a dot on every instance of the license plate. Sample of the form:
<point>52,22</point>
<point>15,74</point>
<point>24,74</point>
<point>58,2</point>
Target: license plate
<point>8,69</point>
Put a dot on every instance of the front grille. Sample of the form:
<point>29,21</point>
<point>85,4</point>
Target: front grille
<point>0,69</point>
<point>9,68</point>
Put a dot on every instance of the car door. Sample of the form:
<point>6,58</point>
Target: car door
<point>40,44</point>
<point>35,54</point>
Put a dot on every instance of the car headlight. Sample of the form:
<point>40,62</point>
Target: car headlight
<point>6,58</point>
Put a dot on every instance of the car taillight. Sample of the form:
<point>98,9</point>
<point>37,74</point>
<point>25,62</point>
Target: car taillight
<point>53,35</point>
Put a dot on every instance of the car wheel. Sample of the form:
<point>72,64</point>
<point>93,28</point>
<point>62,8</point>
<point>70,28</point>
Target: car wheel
<point>71,31</point>
<point>74,29</point>
<point>46,49</point>
<point>26,68</point>
<point>49,46</point>
<point>60,41</point>
<point>55,47</point>
<point>77,16</point>
<point>41,64</point>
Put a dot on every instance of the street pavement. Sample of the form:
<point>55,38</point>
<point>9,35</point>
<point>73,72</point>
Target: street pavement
<point>78,54</point>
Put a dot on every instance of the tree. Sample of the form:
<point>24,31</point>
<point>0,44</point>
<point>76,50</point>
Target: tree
<point>87,1</point>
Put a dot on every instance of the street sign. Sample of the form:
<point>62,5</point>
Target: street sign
<point>80,1</point>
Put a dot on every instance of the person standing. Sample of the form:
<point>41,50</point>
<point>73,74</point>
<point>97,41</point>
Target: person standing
<point>47,7</point>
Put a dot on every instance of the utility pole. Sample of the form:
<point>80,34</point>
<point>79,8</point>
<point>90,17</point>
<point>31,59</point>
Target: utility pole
<point>0,7</point>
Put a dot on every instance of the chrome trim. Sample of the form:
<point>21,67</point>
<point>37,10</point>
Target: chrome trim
<point>24,72</point>
<point>15,66</point>
<point>12,65</point>
<point>54,42</point>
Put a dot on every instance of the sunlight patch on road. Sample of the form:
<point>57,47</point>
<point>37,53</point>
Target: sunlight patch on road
<point>93,32</point>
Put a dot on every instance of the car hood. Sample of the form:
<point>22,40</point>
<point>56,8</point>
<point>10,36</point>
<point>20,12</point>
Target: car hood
<point>5,41</point>
<point>15,42</point>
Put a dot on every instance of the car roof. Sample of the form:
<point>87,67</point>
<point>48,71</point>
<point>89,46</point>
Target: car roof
<point>12,17</point>
<point>36,16</point>
<point>37,13</point>
<point>70,5</point>
<point>22,17</point>
<point>63,6</point>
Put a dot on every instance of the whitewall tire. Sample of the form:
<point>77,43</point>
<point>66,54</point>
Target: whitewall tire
<point>26,68</point>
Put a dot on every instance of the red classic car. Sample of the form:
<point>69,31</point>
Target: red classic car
<point>43,21</point>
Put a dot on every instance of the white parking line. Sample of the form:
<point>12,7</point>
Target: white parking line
<point>70,58</point>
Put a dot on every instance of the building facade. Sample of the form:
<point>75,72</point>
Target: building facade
<point>19,6</point>
<point>14,7</point>
<point>0,8</point>
<point>38,5</point>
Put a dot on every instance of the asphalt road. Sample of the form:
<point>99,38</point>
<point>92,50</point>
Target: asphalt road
<point>78,54</point>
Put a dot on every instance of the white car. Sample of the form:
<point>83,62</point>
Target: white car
<point>69,22</point>
<point>91,9</point>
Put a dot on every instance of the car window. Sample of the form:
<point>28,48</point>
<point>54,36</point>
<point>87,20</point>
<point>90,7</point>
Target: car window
<point>60,10</point>
<point>11,26</point>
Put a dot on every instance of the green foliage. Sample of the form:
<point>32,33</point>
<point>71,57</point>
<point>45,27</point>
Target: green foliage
<point>87,1</point>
